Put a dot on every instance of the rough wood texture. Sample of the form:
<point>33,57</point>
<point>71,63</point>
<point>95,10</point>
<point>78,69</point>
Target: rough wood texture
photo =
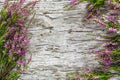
<point>60,41</point>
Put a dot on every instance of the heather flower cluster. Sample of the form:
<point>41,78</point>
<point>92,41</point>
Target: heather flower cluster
<point>13,38</point>
<point>72,2</point>
<point>106,13</point>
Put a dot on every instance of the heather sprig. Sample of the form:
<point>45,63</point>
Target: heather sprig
<point>105,13</point>
<point>13,38</point>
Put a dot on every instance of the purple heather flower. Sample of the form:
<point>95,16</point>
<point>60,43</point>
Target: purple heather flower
<point>21,62</point>
<point>90,7</point>
<point>11,28</point>
<point>100,23</point>
<point>19,12</point>
<point>25,12</point>
<point>33,3</point>
<point>112,30</point>
<point>23,52</point>
<point>21,2</point>
<point>107,61</point>
<point>89,15</point>
<point>10,52</point>
<point>15,38</point>
<point>6,45</point>
<point>106,44</point>
<point>20,22</point>
<point>107,51</point>
<point>26,41</point>
<point>72,2</point>
<point>111,18</point>
<point>19,51</point>
<point>13,46</point>
<point>102,54</point>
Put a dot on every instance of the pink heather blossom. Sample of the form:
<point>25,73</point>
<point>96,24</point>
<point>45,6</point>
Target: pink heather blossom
<point>90,7</point>
<point>112,30</point>
<point>33,3</point>
<point>11,28</point>
<point>107,51</point>
<point>20,22</point>
<point>6,44</point>
<point>106,44</point>
<point>21,62</point>
<point>72,2</point>
<point>18,51</point>
<point>13,46</point>
<point>107,61</point>
<point>25,12</point>
<point>19,12</point>
<point>10,52</point>
<point>102,54</point>
<point>26,41</point>
<point>111,18</point>
<point>23,52</point>
<point>21,2</point>
<point>100,23</point>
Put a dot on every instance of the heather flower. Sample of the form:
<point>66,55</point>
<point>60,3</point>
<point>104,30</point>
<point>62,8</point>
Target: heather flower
<point>107,61</point>
<point>19,51</point>
<point>10,52</point>
<point>23,52</point>
<point>19,12</point>
<point>14,37</point>
<point>21,2</point>
<point>11,28</point>
<point>100,23</point>
<point>26,41</point>
<point>107,51</point>
<point>112,30</point>
<point>111,18</point>
<point>21,62</point>
<point>106,44</point>
<point>88,16</point>
<point>6,45</point>
<point>90,7</point>
<point>72,2</point>
<point>101,54</point>
<point>13,47</point>
<point>25,12</point>
<point>20,22</point>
